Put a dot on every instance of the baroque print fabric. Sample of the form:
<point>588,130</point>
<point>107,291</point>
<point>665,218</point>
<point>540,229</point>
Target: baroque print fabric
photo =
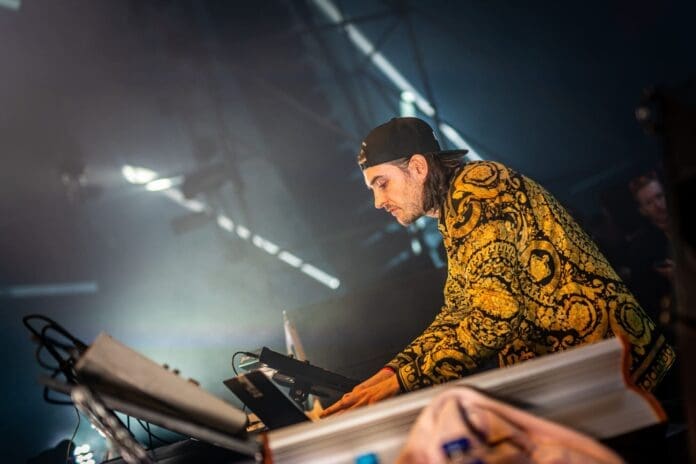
<point>523,280</point>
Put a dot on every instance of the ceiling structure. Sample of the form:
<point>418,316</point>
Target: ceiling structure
<point>257,112</point>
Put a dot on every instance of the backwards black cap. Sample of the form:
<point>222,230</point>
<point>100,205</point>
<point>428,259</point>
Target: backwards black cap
<point>400,138</point>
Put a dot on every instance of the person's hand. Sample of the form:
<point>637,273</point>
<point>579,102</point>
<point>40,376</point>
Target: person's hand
<point>364,395</point>
<point>381,375</point>
<point>463,425</point>
<point>317,409</point>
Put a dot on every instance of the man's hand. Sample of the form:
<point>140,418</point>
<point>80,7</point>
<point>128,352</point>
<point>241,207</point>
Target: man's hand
<point>376,390</point>
<point>381,375</point>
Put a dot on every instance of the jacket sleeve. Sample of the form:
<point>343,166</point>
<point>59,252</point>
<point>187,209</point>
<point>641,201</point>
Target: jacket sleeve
<point>484,306</point>
<point>424,342</point>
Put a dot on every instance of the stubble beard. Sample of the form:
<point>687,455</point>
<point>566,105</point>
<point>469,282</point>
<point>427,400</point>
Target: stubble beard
<point>413,209</point>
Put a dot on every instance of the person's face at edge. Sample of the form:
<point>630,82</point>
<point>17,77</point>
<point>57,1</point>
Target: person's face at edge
<point>652,204</point>
<point>397,190</point>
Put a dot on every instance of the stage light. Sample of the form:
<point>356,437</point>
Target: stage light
<point>11,4</point>
<point>138,175</point>
<point>84,458</point>
<point>201,214</point>
<point>408,96</point>
<point>364,44</point>
<point>416,246</point>
<point>243,232</point>
<point>165,183</point>
<point>225,223</point>
<point>82,449</point>
<point>321,276</point>
<point>265,245</point>
<point>407,108</point>
<point>60,289</point>
<point>290,259</point>
<point>379,60</point>
<point>191,205</point>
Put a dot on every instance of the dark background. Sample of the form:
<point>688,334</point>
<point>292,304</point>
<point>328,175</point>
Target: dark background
<point>278,99</point>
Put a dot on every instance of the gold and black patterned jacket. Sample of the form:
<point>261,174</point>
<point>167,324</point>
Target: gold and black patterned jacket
<point>523,280</point>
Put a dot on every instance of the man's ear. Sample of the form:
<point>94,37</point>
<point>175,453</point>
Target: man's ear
<point>418,166</point>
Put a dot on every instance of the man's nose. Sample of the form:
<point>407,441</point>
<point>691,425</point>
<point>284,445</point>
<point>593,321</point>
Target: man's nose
<point>379,202</point>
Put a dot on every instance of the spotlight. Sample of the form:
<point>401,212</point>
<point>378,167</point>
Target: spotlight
<point>407,103</point>
<point>137,175</point>
<point>164,183</point>
<point>82,449</point>
<point>11,4</point>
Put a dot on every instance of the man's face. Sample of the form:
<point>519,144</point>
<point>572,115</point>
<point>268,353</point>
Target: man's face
<point>652,204</point>
<point>398,190</point>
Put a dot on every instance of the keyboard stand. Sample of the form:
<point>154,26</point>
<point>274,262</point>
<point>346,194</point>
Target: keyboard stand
<point>218,438</point>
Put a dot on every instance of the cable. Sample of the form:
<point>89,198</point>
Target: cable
<point>63,353</point>
<point>42,363</point>
<point>234,368</point>
<point>79,344</point>
<point>146,426</point>
<point>47,398</point>
<point>149,435</point>
<point>67,453</point>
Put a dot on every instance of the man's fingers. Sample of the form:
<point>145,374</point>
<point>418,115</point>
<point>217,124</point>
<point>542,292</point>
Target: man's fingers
<point>343,403</point>
<point>337,406</point>
<point>365,396</point>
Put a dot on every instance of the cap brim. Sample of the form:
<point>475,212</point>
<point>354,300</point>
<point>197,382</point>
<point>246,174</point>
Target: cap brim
<point>449,153</point>
<point>442,153</point>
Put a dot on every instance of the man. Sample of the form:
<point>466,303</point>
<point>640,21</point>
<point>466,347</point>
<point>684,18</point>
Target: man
<point>523,279</point>
<point>652,274</point>
<point>652,266</point>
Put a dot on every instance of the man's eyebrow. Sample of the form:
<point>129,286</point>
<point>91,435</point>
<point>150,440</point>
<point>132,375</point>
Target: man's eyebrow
<point>374,179</point>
